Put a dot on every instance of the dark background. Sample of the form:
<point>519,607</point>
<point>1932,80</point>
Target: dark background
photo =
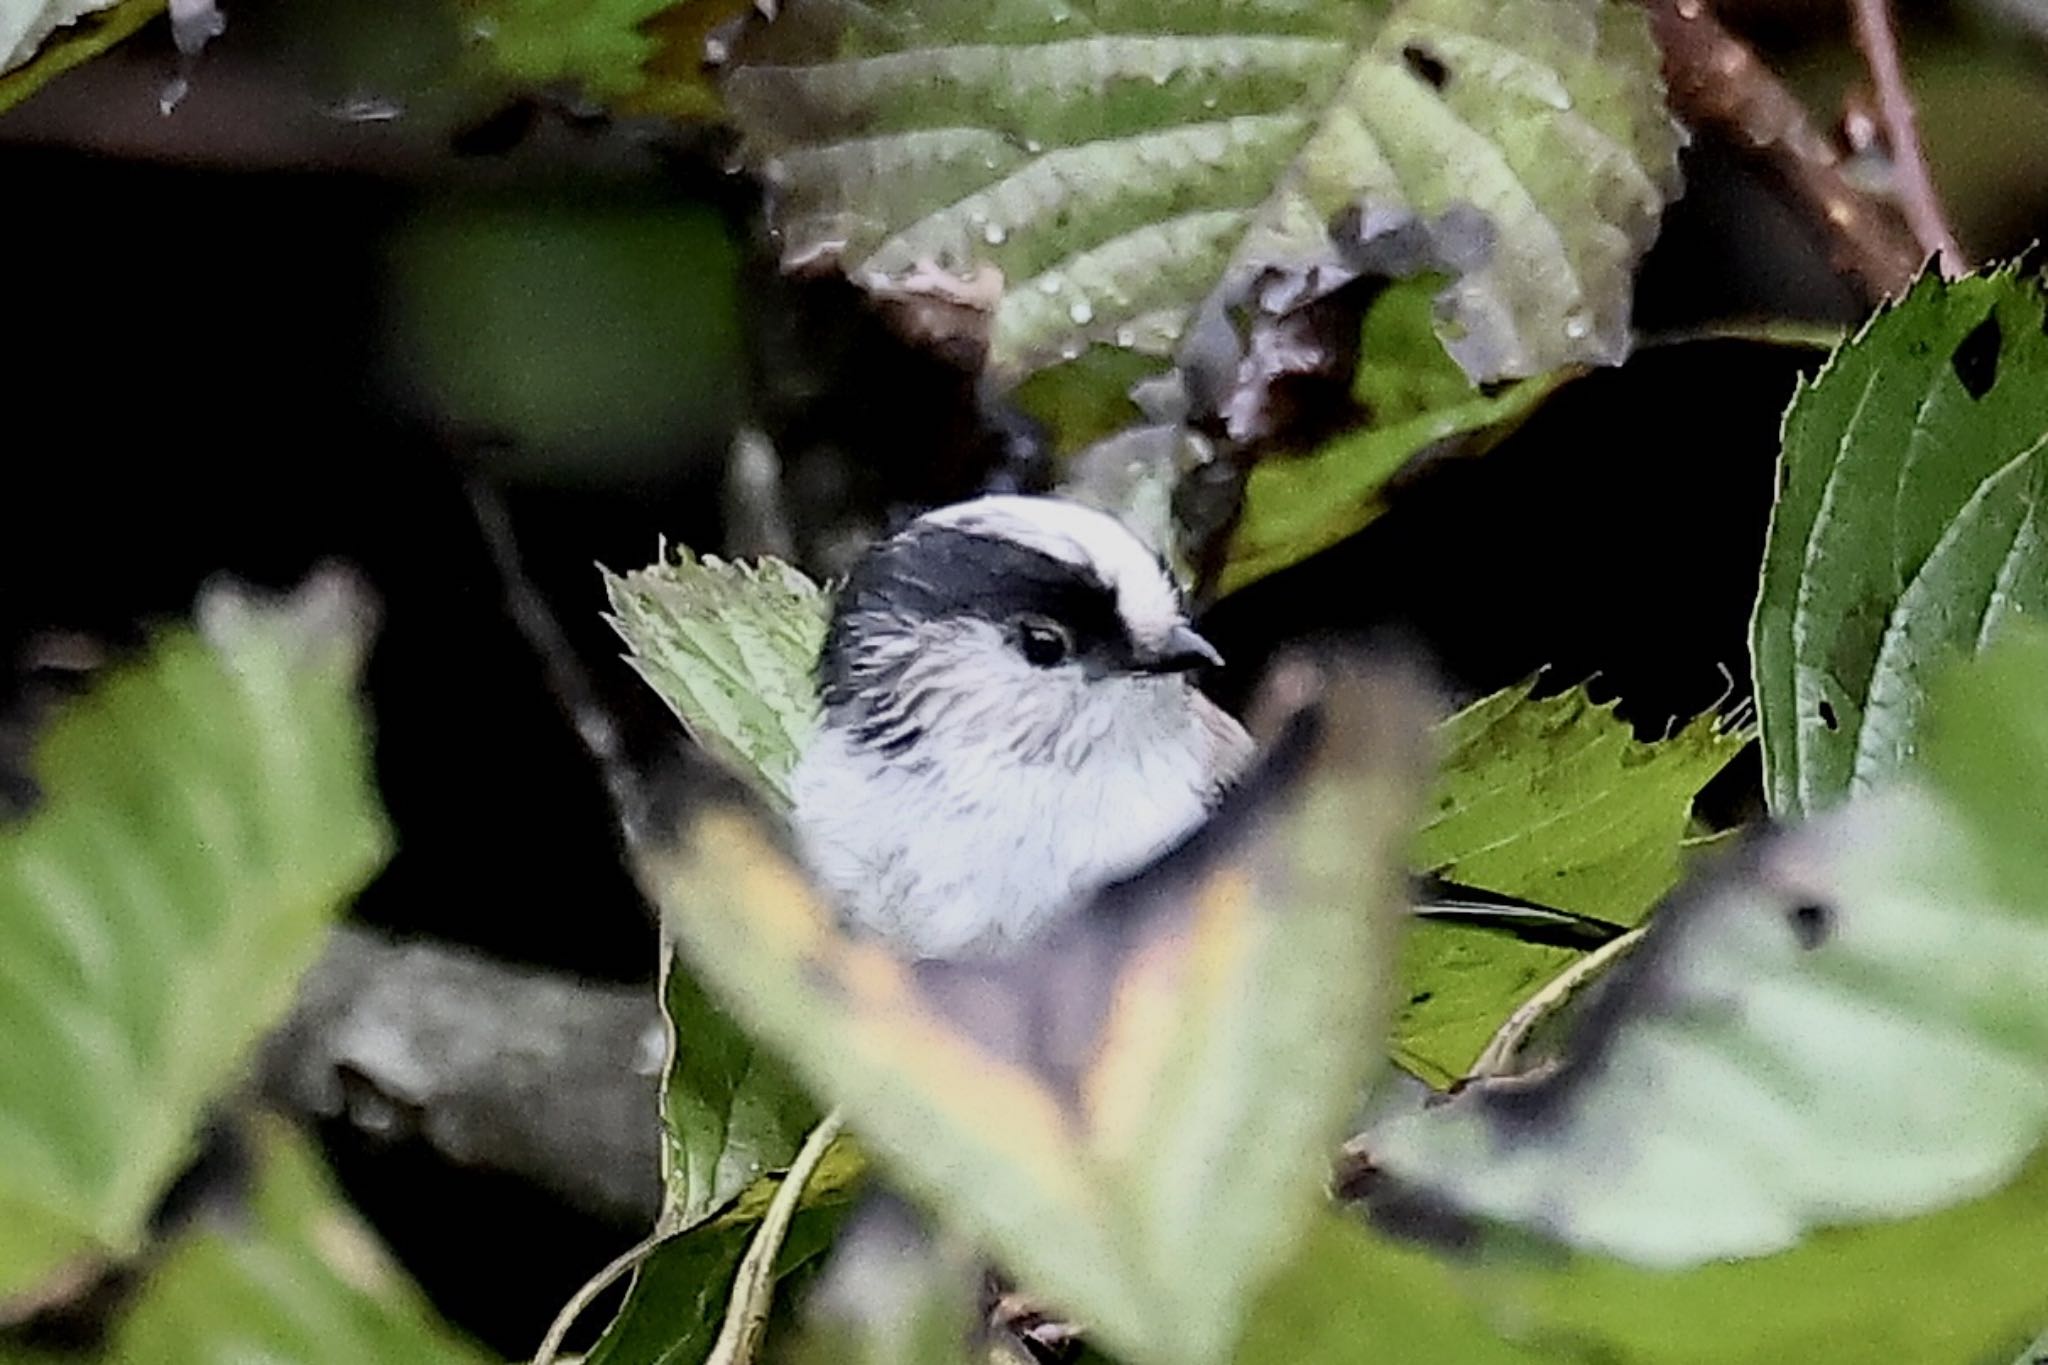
<point>268,331</point>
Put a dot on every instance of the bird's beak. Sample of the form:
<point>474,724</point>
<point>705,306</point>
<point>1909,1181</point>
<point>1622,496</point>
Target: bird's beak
<point>1181,649</point>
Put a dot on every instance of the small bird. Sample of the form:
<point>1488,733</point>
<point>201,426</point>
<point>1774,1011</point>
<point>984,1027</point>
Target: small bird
<point>1011,723</point>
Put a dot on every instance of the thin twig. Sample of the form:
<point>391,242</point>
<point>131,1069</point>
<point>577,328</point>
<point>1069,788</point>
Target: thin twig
<point>753,1288</point>
<point>571,685</point>
<point>630,1258</point>
<point>1917,194</point>
<point>1715,81</point>
<point>1507,1041</point>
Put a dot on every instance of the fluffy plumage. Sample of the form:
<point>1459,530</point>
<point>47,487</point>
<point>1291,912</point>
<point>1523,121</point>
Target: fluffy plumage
<point>1009,724</point>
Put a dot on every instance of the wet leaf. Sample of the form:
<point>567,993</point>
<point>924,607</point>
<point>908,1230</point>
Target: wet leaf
<point>1122,162</point>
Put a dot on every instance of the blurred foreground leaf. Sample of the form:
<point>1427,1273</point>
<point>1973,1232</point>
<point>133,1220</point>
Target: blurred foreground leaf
<point>42,39</point>
<point>1555,800</point>
<point>893,1294</point>
<point>1109,165</point>
<point>1847,1026</point>
<point>203,815</point>
<point>1959,1287</point>
<point>1909,530</point>
<point>586,336</point>
<point>294,1280</point>
<point>1132,1120</point>
<point>632,56</point>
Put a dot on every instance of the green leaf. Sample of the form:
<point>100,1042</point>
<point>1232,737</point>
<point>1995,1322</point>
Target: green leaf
<point>203,815</point>
<point>1146,1162</point>
<point>1120,161</point>
<point>1850,1025</point>
<point>296,1280</point>
<point>730,1112</point>
<point>733,650</point>
<point>1417,400</point>
<point>672,1313</point>
<point>635,56</point>
<point>88,28</point>
<point>1352,1298</point>
<point>1555,800</point>
<point>1909,529</point>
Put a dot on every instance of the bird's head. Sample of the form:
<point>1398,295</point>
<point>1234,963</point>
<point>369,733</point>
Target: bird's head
<point>1029,624</point>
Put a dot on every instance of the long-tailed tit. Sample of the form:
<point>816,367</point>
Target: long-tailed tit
<point>1010,723</point>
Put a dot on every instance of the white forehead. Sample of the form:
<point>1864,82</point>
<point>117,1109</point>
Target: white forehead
<point>1083,536</point>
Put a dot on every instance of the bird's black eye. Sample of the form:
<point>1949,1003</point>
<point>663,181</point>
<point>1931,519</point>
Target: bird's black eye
<point>1045,643</point>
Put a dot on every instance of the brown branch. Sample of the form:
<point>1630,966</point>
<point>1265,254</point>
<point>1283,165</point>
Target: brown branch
<point>1917,196</point>
<point>1716,81</point>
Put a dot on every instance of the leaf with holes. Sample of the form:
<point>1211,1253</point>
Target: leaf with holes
<point>1848,1024</point>
<point>1553,799</point>
<point>1069,174</point>
<point>203,815</point>
<point>733,649</point>
<point>1910,528</point>
<point>1133,1117</point>
<point>1417,402</point>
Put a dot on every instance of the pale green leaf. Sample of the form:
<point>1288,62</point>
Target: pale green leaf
<point>1849,1025</point>
<point>46,38</point>
<point>1555,800</point>
<point>733,649</point>
<point>1909,529</point>
<point>203,815</point>
<point>1120,161</point>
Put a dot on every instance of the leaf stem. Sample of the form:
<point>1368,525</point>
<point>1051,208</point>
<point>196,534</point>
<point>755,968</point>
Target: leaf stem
<point>1714,80</point>
<point>753,1287</point>
<point>1501,1050</point>
<point>631,1257</point>
<point>1917,194</point>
